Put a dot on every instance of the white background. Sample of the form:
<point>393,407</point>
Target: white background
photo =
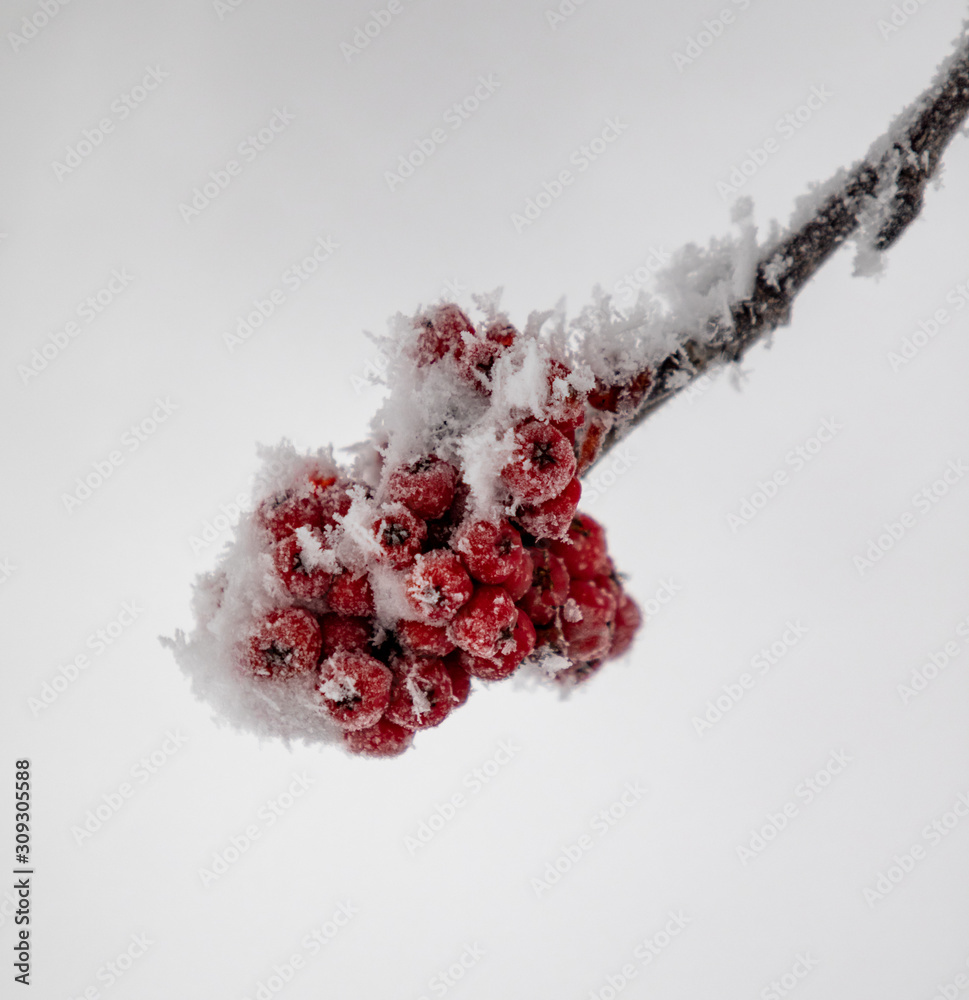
<point>449,225</point>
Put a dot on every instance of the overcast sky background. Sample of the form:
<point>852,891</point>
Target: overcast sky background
<point>220,76</point>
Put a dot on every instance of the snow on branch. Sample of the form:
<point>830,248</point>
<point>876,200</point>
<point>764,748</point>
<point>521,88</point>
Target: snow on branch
<point>873,203</point>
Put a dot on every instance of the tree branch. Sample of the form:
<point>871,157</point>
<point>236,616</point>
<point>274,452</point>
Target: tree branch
<point>881,195</point>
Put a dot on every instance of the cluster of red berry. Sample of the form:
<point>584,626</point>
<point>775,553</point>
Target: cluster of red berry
<point>468,597</point>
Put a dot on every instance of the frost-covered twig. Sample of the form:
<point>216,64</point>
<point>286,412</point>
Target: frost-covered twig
<point>874,201</point>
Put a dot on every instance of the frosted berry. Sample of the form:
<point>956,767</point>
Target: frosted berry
<point>385,739</point>
<point>565,406</point>
<point>354,689</point>
<point>425,487</point>
<point>334,502</point>
<point>400,534</point>
<point>427,640</point>
<point>437,585</point>
<point>284,644</point>
<point>520,582</point>
<point>282,513</point>
<point>513,645</point>
<point>351,595</point>
<point>298,562</point>
<point>343,632</point>
<point>583,550</point>
<point>552,518</point>
<point>542,464</point>
<point>476,359</point>
<point>549,589</point>
<point>590,444</point>
<point>484,621</point>
<point>421,696</point>
<point>587,617</point>
<point>623,397</point>
<point>491,552</point>
<point>441,332</point>
<point>460,679</point>
<point>625,626</point>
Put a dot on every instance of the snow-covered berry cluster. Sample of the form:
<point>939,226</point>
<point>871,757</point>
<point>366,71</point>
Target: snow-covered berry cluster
<point>365,603</point>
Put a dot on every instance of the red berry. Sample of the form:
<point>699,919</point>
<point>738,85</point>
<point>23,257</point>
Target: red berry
<point>476,359</point>
<point>460,679</point>
<point>513,646</point>
<point>542,464</point>
<point>282,513</point>
<point>441,333</point>
<point>426,486</point>
<point>587,617</point>
<point>625,626</point>
<point>343,632</point>
<point>492,552</point>
<point>552,518</point>
<point>385,739</point>
<point>590,444</point>
<point>335,501</point>
<point>351,595</point>
<point>501,332</point>
<point>520,582</point>
<point>421,696</point>
<point>550,587</point>
<point>354,689</point>
<point>622,397</point>
<point>437,585</point>
<point>565,406</point>
<point>583,550</point>
<point>297,560</point>
<point>481,624</point>
<point>284,644</point>
<point>400,535</point>
<point>419,637</point>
